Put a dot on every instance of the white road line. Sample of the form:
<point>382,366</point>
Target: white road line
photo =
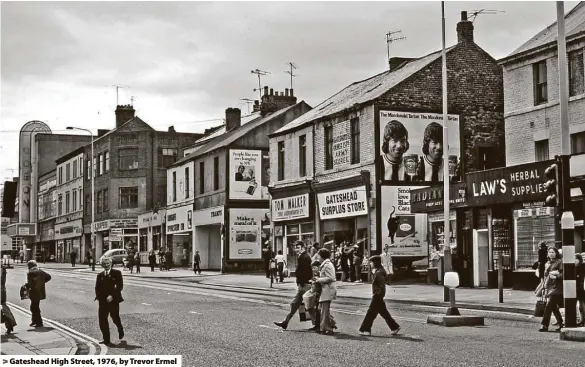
<point>196,313</point>
<point>146,304</point>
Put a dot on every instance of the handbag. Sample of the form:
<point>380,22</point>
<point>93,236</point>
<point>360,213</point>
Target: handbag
<point>539,307</point>
<point>539,289</point>
<point>285,272</point>
<point>24,293</point>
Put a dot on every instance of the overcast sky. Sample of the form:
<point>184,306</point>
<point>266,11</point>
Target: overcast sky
<point>186,62</point>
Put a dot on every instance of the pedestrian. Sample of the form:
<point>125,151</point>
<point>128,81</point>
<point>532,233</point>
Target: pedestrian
<point>357,263</point>
<point>314,249</point>
<point>7,316</point>
<point>344,262</point>
<point>580,278</point>
<point>130,262</point>
<point>350,257</point>
<point>267,254</point>
<point>377,305</point>
<point>137,261</point>
<point>73,257</point>
<point>328,291</point>
<point>553,289</point>
<point>35,283</point>
<point>108,293</point>
<point>196,262</point>
<point>161,258</point>
<point>387,263</point>
<point>542,259</point>
<point>303,274</point>
<point>311,298</point>
<point>168,259</point>
<point>43,256</point>
<point>152,260</point>
<point>21,256</point>
<point>280,265</point>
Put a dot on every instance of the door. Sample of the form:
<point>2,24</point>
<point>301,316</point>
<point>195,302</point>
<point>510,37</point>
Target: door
<point>483,257</point>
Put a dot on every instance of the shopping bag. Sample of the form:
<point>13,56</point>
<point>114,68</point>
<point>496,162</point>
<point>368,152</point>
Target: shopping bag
<point>539,308</point>
<point>302,313</point>
<point>309,299</point>
<point>23,292</point>
<point>285,272</point>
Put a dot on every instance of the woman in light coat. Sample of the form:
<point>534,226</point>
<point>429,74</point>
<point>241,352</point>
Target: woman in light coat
<point>328,291</point>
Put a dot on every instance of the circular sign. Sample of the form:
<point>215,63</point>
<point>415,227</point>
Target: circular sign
<point>405,227</point>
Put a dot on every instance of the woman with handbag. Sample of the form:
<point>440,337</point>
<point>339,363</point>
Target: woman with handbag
<point>553,289</point>
<point>328,291</point>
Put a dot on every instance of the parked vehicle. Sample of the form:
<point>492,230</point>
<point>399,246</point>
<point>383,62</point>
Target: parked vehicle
<point>118,256</point>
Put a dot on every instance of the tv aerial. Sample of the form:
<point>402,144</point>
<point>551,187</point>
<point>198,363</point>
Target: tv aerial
<point>293,66</point>
<point>260,73</point>
<point>248,102</point>
<point>472,14</point>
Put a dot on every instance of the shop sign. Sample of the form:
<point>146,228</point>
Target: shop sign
<point>507,185</point>
<point>124,223</point>
<point>68,229</point>
<point>440,217</point>
<point>208,216</point>
<point>290,208</point>
<point>341,144</point>
<point>343,203</point>
<point>533,213</point>
<point>179,219</point>
<point>104,225</point>
<point>430,199</point>
<point>246,234</point>
<point>22,229</point>
<point>151,219</point>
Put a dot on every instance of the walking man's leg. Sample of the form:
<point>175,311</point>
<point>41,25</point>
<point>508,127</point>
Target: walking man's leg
<point>103,312</point>
<point>371,315</point>
<point>115,315</point>
<point>35,309</point>
<point>294,305</point>
<point>383,310</point>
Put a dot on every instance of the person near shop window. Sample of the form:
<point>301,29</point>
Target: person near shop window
<point>280,264</point>
<point>357,263</point>
<point>553,289</point>
<point>267,254</point>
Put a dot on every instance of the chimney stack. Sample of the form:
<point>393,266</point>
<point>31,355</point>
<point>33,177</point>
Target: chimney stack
<point>233,118</point>
<point>464,29</point>
<point>123,114</point>
<point>286,92</point>
<point>265,90</point>
<point>172,129</point>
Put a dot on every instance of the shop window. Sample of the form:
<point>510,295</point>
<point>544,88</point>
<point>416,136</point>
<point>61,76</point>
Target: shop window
<point>128,158</point>
<point>302,155</point>
<point>576,77</point>
<point>128,197</point>
<point>540,84</point>
<point>355,140</point>
<point>541,150</point>
<point>529,232</point>
<point>280,160</point>
<point>143,240</point>
<point>328,144</point>
<point>502,241</point>
<point>155,238</point>
<point>578,143</point>
<point>166,157</point>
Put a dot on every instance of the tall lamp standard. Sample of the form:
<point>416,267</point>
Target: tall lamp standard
<point>92,196</point>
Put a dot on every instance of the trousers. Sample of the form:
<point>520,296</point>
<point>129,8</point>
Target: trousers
<point>35,309</point>
<point>297,300</point>
<point>378,307</point>
<point>111,309</point>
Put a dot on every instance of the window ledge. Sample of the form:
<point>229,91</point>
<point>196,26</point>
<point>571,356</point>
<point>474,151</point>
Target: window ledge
<point>541,106</point>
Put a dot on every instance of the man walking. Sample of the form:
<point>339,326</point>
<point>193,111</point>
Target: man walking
<point>267,255</point>
<point>35,282</point>
<point>304,274</point>
<point>377,305</point>
<point>108,292</point>
<point>73,257</point>
<point>196,262</point>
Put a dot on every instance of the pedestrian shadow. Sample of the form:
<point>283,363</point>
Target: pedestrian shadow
<point>342,336</point>
<point>41,329</point>
<point>417,339</point>
<point>6,337</point>
<point>124,345</point>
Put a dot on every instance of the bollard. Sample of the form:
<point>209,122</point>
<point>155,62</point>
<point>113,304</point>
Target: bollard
<point>452,281</point>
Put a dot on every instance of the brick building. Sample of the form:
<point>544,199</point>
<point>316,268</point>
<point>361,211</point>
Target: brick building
<point>369,150</point>
<point>47,212</point>
<point>223,184</point>
<point>130,178</point>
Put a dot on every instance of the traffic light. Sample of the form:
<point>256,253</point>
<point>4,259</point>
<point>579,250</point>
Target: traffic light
<point>551,185</point>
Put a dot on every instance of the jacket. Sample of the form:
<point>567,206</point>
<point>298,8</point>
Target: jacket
<point>379,283</point>
<point>197,259</point>
<point>580,272</point>
<point>304,273</point>
<point>110,285</point>
<point>3,285</point>
<point>553,286</point>
<point>327,281</point>
<point>152,258</point>
<point>35,282</point>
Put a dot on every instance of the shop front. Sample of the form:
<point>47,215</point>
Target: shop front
<point>207,235</point>
<point>68,237</point>
<point>151,231</point>
<point>46,248</point>
<point>179,232</point>
<point>114,234</point>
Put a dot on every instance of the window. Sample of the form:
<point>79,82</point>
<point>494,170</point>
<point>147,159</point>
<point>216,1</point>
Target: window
<point>576,77</point>
<point>302,155</point>
<point>67,172</point>
<point>216,173</point>
<point>201,177</point>
<point>280,160</point>
<point>578,143</point>
<point>88,170</point>
<point>483,161</point>
<point>74,198</point>
<point>74,164</point>
<point>187,183</point>
<point>94,166</point>
<point>99,164</point>
<point>60,204</point>
<point>99,202</point>
<point>328,131</point>
<point>107,161</point>
<point>87,204</point>
<point>541,150</point>
<point>60,174</point>
<point>166,157</point>
<point>106,200</point>
<point>540,91</point>
<point>174,186</point>
<point>80,169</point>
<point>128,197</point>
<point>143,239</point>
<point>128,158</point>
<point>355,140</point>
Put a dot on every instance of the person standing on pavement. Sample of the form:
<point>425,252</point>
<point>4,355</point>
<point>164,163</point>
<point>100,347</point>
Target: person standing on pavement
<point>168,259</point>
<point>108,293</point>
<point>196,262</point>
<point>303,274</point>
<point>137,261</point>
<point>267,254</point>
<point>35,282</point>
<point>580,279</point>
<point>328,291</point>
<point>377,305</point>
<point>161,258</point>
<point>357,263</point>
<point>21,256</point>
<point>553,289</point>
<point>151,260</point>
<point>387,263</point>
<point>280,264</point>
<point>542,259</point>
<point>73,257</point>
<point>7,315</point>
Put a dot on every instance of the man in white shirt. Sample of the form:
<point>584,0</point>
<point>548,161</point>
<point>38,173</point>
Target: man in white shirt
<point>387,263</point>
<point>280,264</point>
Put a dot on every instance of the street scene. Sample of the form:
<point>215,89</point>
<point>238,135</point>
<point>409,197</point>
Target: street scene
<point>263,183</point>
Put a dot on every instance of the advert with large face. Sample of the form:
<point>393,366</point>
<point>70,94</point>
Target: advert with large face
<point>412,149</point>
<point>247,235</point>
<point>404,233</point>
<point>245,174</point>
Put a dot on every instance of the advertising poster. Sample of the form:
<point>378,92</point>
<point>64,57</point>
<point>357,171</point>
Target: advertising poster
<point>246,174</point>
<point>411,147</point>
<point>247,233</point>
<point>404,232</point>
<point>265,175</point>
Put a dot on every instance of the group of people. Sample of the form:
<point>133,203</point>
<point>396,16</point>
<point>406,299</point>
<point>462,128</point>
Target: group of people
<point>274,263</point>
<point>350,261</point>
<point>549,268</point>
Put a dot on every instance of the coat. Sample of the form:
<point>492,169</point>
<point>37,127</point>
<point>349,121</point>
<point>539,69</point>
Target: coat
<point>327,280</point>
<point>3,285</point>
<point>554,287</point>
<point>35,280</point>
<point>580,272</point>
<point>304,272</point>
<point>152,258</point>
<point>111,285</point>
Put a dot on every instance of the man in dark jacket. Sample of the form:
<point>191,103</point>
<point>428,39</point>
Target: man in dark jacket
<point>196,262</point>
<point>108,292</point>
<point>35,282</point>
<point>542,259</point>
<point>304,274</point>
<point>377,305</point>
<point>267,254</point>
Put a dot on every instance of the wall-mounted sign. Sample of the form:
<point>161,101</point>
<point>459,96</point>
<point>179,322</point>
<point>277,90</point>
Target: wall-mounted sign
<point>343,203</point>
<point>124,223</point>
<point>180,219</point>
<point>341,144</point>
<point>151,219</point>
<point>289,208</point>
<point>430,199</point>
<point>208,216</point>
<point>22,229</point>
<point>245,174</point>
<point>245,234</point>
<point>514,184</point>
<point>533,213</point>
<point>68,229</point>
<point>104,225</point>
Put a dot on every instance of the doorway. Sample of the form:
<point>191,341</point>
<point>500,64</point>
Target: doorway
<point>481,258</point>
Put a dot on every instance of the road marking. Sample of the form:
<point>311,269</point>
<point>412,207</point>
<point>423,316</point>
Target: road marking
<point>146,304</point>
<point>196,313</point>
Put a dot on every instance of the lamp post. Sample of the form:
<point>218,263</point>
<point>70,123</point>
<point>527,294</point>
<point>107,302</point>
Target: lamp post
<point>92,196</point>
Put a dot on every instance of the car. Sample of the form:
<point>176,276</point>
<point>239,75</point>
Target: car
<point>118,256</point>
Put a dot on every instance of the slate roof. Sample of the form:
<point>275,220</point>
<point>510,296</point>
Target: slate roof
<point>362,91</point>
<point>574,24</point>
<point>221,130</point>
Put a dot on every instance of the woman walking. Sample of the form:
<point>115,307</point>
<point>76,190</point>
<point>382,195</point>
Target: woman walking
<point>553,289</point>
<point>580,270</point>
<point>152,260</point>
<point>7,315</point>
<point>328,291</point>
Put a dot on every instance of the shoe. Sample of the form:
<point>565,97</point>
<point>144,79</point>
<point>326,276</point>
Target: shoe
<point>104,342</point>
<point>328,332</point>
<point>543,329</point>
<point>365,333</point>
<point>32,324</point>
<point>9,331</point>
<point>314,328</point>
<point>560,327</point>
<point>283,324</point>
<point>395,331</point>
<point>121,334</point>
<point>39,325</point>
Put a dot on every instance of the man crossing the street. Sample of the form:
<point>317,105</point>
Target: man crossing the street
<point>108,292</point>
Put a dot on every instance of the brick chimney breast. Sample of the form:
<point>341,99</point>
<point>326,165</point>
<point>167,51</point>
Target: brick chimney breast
<point>123,114</point>
<point>233,118</point>
<point>464,29</point>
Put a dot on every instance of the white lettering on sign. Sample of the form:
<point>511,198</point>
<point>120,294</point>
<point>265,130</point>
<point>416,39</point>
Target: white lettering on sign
<point>341,146</point>
<point>343,203</point>
<point>290,208</point>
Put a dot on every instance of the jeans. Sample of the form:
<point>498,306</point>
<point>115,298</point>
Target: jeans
<point>297,301</point>
<point>378,306</point>
<point>196,268</point>
<point>327,320</point>
<point>552,306</point>
<point>280,267</point>
<point>35,309</point>
<point>358,272</point>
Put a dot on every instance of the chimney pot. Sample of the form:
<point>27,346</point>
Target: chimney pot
<point>123,114</point>
<point>463,15</point>
<point>291,92</point>
<point>265,90</point>
<point>271,91</point>
<point>172,129</point>
<point>286,92</point>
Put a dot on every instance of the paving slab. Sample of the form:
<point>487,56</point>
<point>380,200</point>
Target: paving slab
<point>573,334</point>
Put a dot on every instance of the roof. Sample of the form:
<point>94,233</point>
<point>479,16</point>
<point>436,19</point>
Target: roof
<point>228,138</point>
<point>118,128</point>
<point>361,92</point>
<point>222,130</point>
<point>574,24</point>
<point>70,155</point>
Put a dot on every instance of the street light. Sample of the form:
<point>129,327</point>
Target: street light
<point>92,195</point>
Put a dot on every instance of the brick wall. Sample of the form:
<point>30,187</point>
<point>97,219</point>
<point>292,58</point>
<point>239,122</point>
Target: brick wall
<point>291,157</point>
<point>210,197</point>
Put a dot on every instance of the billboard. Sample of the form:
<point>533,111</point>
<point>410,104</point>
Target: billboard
<point>403,231</point>
<point>411,147</point>
<point>246,229</point>
<point>245,174</point>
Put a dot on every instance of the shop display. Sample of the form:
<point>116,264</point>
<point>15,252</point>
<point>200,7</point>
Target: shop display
<point>502,242</point>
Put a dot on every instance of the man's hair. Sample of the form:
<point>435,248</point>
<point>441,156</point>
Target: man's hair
<point>107,258</point>
<point>394,130</point>
<point>300,243</point>
<point>31,264</point>
<point>324,253</point>
<point>433,131</point>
